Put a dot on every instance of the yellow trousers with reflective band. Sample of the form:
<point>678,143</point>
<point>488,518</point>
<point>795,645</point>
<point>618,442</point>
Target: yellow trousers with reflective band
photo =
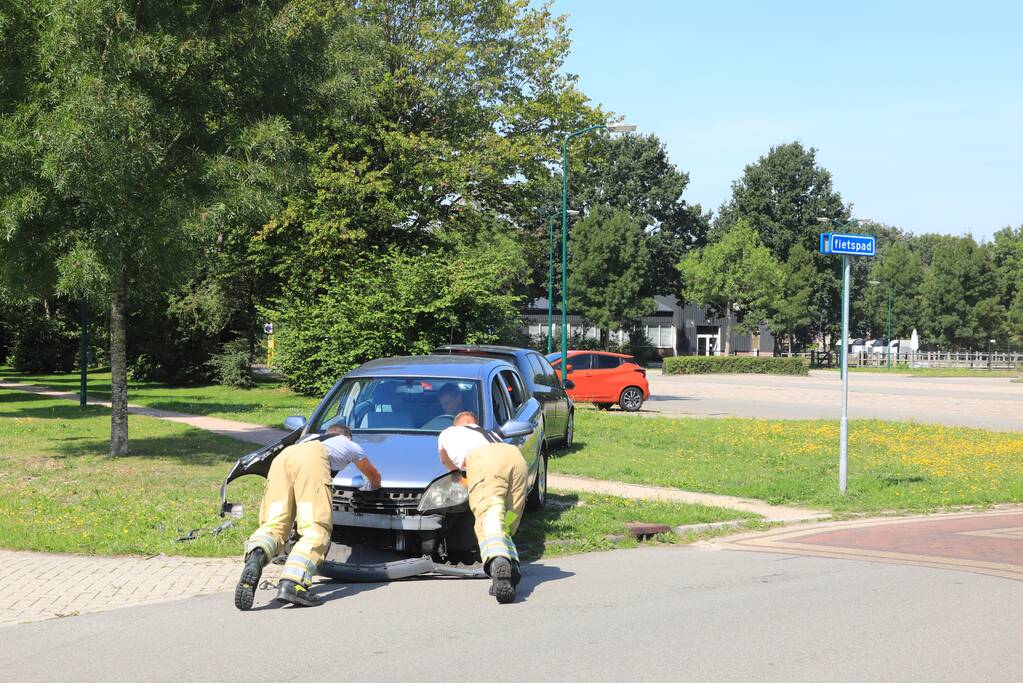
<point>496,475</point>
<point>297,490</point>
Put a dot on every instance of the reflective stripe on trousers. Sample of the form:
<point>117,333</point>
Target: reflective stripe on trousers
<point>297,491</point>
<point>496,476</point>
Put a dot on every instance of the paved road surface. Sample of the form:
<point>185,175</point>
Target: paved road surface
<point>989,403</point>
<point>648,614</point>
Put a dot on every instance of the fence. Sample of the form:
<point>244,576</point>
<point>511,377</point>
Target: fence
<point>978,360</point>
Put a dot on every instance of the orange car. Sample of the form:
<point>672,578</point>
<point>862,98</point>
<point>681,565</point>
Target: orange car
<point>605,378</point>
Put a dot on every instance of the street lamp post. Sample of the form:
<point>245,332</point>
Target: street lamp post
<point>550,281</point>
<point>611,128</point>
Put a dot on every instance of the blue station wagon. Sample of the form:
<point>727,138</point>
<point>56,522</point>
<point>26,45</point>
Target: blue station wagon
<point>396,407</point>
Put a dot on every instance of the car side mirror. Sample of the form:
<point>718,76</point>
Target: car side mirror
<point>294,422</point>
<point>568,368</point>
<point>569,384</point>
<point>513,428</point>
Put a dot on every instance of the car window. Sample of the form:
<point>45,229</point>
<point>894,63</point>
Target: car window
<point>499,400</point>
<point>398,403</point>
<point>549,372</point>
<point>605,362</point>
<point>582,361</point>
<point>516,392</point>
<point>539,373</point>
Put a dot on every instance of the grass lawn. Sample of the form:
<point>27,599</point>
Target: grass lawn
<point>581,522</point>
<point>268,403</point>
<point>61,492</point>
<point>892,465</point>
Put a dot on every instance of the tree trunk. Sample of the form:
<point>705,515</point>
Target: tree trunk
<point>118,371</point>
<point>604,340</point>
<point>727,342</point>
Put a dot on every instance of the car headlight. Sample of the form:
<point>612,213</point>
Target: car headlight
<point>445,492</point>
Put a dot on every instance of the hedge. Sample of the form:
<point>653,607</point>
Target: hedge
<point>768,365</point>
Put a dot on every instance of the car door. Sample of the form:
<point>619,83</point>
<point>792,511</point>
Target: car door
<point>580,373</point>
<point>510,401</point>
<point>605,377</point>
<point>549,393</point>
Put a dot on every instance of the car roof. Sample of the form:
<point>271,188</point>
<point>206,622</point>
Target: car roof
<point>557,354</point>
<point>462,367</point>
<point>483,348</point>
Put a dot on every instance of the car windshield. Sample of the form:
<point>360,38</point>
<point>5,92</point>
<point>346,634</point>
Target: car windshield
<point>407,404</point>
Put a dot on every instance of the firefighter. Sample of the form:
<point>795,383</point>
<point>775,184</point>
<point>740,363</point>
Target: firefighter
<point>496,478</point>
<point>298,490</point>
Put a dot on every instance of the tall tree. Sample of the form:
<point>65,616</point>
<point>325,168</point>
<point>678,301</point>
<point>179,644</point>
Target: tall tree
<point>782,195</point>
<point>1007,253</point>
<point>608,265</point>
<point>959,293</point>
<point>633,173</point>
<point>897,271</point>
<point>128,113</point>
<point>734,276</point>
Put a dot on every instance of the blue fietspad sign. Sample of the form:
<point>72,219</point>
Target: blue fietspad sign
<point>848,245</point>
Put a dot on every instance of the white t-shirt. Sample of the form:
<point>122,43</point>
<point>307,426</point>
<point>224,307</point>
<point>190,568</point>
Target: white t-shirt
<point>342,452</point>
<point>458,442</point>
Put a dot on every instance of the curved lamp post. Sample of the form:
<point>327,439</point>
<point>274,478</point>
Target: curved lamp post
<point>611,128</point>
<point>550,280</point>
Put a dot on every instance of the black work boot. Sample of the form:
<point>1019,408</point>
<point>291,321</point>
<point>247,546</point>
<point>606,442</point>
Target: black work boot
<point>516,577</point>
<point>255,560</point>
<point>503,587</point>
<point>296,594</point>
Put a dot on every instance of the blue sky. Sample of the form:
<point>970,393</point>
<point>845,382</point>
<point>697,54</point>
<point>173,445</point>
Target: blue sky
<point>915,108</point>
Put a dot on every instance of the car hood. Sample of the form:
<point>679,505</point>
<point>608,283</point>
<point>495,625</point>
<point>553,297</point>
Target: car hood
<point>404,460</point>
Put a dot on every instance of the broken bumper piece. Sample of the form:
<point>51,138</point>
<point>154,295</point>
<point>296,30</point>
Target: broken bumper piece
<point>392,571</point>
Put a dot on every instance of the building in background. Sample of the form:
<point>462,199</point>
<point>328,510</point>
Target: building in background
<point>672,329</point>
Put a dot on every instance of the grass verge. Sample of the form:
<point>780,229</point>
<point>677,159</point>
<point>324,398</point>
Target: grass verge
<point>582,522</point>
<point>892,465</point>
<point>268,403</point>
<point>936,372</point>
<point>61,492</point>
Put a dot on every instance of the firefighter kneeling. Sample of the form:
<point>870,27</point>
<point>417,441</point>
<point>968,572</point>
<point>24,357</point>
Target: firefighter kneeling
<point>496,477</point>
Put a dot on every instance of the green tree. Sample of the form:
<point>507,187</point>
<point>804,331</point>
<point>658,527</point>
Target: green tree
<point>959,295</point>
<point>735,275</point>
<point>1007,253</point>
<point>782,195</point>
<point>794,314</point>
<point>608,265</point>
<point>896,269</point>
<point>399,303</point>
<point>126,118</point>
<point>633,173</point>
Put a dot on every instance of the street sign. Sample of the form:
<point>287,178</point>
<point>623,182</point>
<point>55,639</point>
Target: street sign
<point>848,245</point>
<point>268,328</point>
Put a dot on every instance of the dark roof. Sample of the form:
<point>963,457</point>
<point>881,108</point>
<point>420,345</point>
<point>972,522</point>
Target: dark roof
<point>484,348</point>
<point>460,367</point>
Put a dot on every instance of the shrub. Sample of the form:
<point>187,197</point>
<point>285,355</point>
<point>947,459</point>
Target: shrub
<point>768,365</point>
<point>43,344</point>
<point>233,366</point>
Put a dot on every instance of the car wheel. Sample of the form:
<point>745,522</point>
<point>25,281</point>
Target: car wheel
<point>569,431</point>
<point>631,399</point>
<point>604,406</point>
<point>538,496</point>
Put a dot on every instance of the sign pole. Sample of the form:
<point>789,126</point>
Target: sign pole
<point>843,449</point>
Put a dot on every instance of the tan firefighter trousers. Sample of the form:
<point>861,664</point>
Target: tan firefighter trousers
<point>496,475</point>
<point>297,490</point>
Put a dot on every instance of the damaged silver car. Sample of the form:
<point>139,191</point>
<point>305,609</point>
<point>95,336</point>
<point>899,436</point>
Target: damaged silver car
<point>396,407</point>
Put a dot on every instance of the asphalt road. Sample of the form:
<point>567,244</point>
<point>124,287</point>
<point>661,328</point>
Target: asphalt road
<point>681,613</point>
<point>989,403</point>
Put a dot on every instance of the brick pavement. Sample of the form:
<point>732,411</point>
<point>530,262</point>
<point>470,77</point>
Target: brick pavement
<point>37,586</point>
<point>989,542</point>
